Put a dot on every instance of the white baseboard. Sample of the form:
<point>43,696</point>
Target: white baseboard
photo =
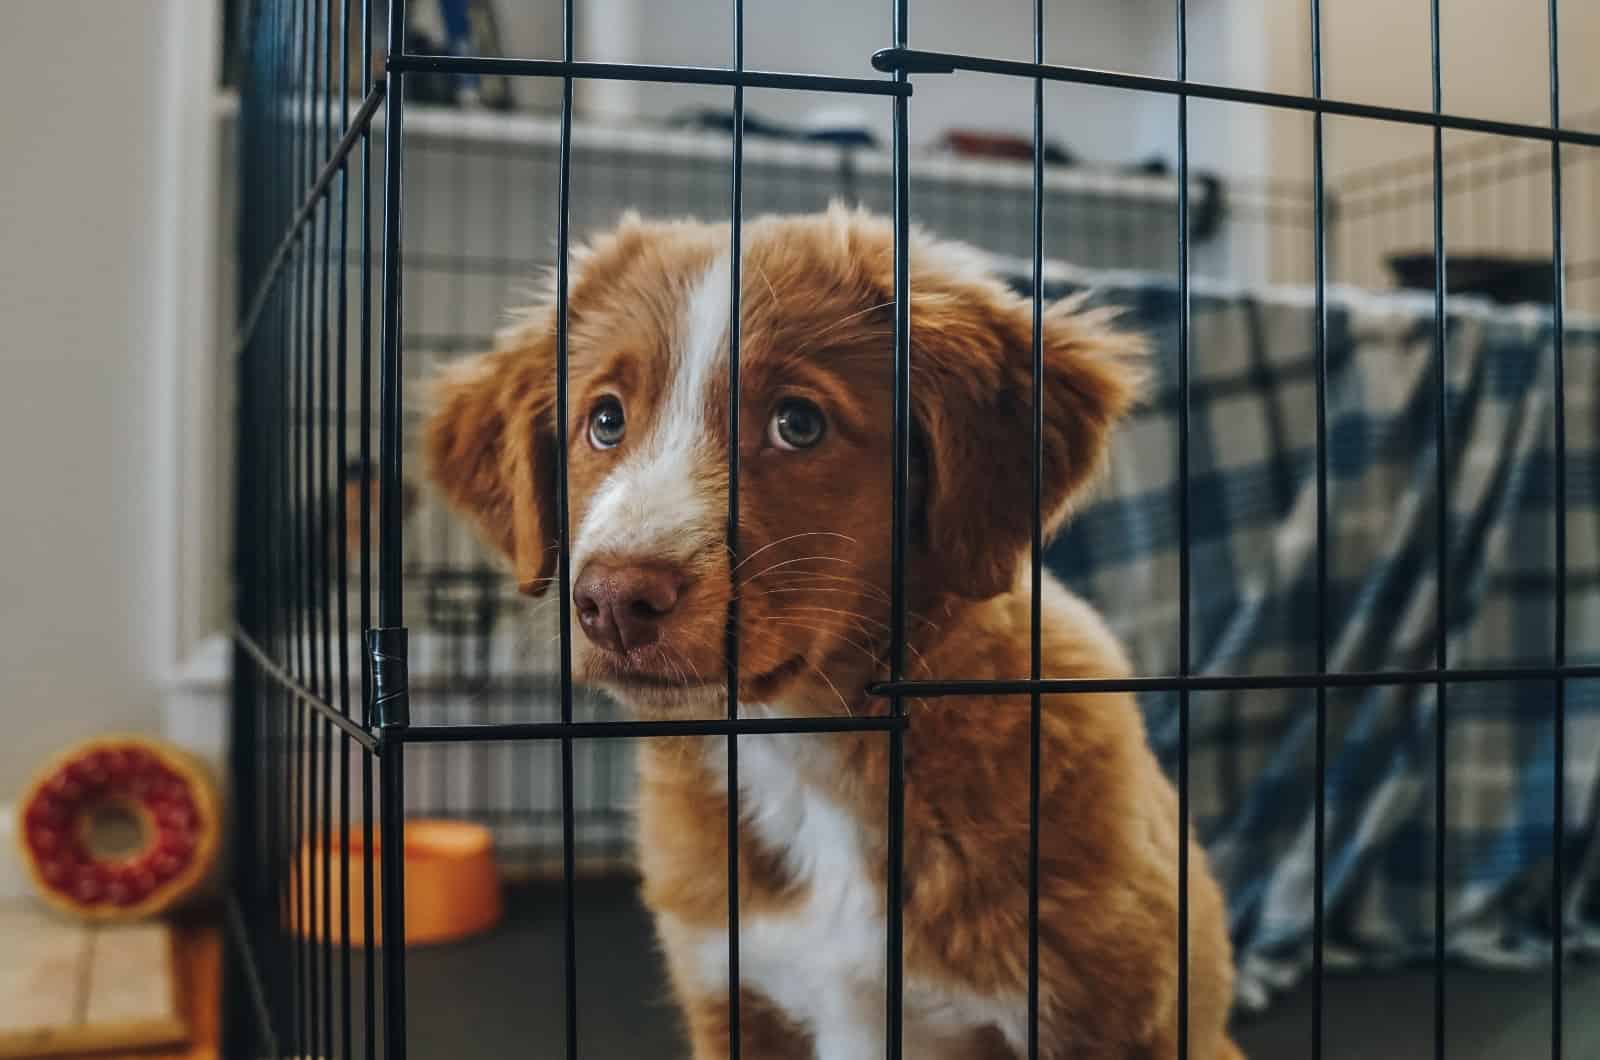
<point>13,878</point>
<point>195,707</point>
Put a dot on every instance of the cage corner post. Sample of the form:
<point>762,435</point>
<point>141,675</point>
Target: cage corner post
<point>388,643</point>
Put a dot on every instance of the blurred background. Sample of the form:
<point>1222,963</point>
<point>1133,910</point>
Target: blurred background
<point>120,291</point>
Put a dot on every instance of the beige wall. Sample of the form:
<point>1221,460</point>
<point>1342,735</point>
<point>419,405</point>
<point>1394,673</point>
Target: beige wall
<point>82,600</point>
<point>1494,64</point>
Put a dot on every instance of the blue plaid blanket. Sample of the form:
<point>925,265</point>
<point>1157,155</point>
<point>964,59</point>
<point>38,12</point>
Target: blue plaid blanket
<point>1254,610</point>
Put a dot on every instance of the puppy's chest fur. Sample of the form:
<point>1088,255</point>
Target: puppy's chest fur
<point>818,954</point>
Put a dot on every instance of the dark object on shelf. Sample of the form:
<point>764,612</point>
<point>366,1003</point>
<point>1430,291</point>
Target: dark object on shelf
<point>1505,281</point>
<point>471,29</point>
<point>840,134</point>
<point>974,143</point>
<point>1205,211</point>
<point>420,87</point>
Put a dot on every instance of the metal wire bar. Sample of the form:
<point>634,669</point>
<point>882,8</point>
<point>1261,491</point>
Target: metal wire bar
<point>389,716</point>
<point>913,61</point>
<point>322,745</point>
<point>369,927</point>
<point>248,967</point>
<point>564,543</point>
<point>1319,231</point>
<point>900,544</point>
<point>1421,167</point>
<point>390,429</point>
<point>300,691</point>
<point>1441,532</point>
<point>355,131</point>
<point>1558,825</point>
<point>736,223</point>
<point>1185,539</point>
<point>302,542</point>
<point>1232,682</point>
<point>287,977</point>
<point>247,1015</point>
<point>644,72</point>
<point>1036,540</point>
<point>620,730</point>
<point>341,457</point>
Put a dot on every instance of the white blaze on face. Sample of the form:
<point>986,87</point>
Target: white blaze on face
<point>654,506</point>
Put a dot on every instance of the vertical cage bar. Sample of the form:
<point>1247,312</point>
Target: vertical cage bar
<point>1036,541</point>
<point>369,930</point>
<point>279,976</point>
<point>342,412</point>
<point>1558,824</point>
<point>899,544</point>
<point>325,539</point>
<point>287,594</point>
<point>391,775</point>
<point>735,235</point>
<point>245,717</point>
<point>283,979</point>
<point>564,545</point>
<point>1320,795</point>
<point>391,426</point>
<point>1184,536</point>
<point>1441,536</point>
<point>313,513</point>
<point>301,545</point>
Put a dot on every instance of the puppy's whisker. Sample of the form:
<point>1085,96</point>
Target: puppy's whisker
<point>799,559</point>
<point>817,337</point>
<point>858,619</point>
<point>793,537</point>
<point>832,631</point>
<point>866,588</point>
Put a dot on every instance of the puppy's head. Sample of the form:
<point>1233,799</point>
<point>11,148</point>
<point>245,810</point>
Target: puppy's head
<point>648,434</point>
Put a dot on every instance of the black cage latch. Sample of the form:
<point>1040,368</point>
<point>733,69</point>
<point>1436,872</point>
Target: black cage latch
<point>386,652</point>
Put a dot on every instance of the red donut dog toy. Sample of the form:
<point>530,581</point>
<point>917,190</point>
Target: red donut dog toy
<point>160,795</point>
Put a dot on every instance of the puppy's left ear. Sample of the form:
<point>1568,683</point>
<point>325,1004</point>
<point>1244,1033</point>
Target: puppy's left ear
<point>972,391</point>
<point>490,447</point>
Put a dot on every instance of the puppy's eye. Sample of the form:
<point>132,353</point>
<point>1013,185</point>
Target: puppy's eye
<point>796,424</point>
<point>607,424</point>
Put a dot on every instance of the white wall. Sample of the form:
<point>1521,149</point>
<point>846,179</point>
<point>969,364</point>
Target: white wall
<point>87,560</point>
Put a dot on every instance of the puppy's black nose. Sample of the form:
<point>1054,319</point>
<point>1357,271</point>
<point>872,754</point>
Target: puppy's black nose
<point>622,608</point>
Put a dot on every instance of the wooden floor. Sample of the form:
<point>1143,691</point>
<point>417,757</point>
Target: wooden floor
<point>199,946</point>
<point>138,991</point>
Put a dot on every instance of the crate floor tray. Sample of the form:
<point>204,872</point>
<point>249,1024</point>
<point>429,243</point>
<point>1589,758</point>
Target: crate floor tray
<point>70,989</point>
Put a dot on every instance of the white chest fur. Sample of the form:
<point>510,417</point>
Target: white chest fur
<point>822,960</point>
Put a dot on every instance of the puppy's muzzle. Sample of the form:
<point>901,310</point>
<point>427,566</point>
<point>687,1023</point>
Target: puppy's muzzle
<point>624,607</point>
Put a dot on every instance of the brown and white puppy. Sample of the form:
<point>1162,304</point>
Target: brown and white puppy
<point>653,577</point>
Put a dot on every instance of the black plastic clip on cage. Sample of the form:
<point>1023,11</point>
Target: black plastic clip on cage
<point>306,705</point>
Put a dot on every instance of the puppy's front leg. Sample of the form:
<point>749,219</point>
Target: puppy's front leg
<point>764,1032</point>
<point>851,1023</point>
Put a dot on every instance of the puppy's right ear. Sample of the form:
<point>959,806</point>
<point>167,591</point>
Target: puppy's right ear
<point>489,446</point>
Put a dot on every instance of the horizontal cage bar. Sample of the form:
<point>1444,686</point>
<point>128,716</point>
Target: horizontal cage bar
<point>623,730</point>
<point>1231,682</point>
<point>308,207</point>
<point>678,75</point>
<point>914,61</point>
<point>285,680</point>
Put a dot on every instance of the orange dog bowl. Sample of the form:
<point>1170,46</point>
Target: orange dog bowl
<point>452,885</point>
